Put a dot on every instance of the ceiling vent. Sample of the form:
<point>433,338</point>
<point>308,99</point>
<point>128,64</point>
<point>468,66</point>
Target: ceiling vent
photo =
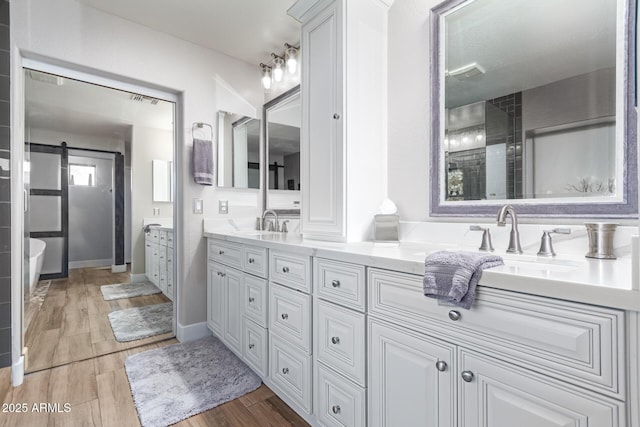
<point>466,71</point>
<point>144,99</point>
<point>46,78</point>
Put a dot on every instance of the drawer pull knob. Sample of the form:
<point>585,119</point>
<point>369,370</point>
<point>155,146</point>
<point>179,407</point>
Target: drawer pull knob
<point>454,315</point>
<point>222,274</point>
<point>221,252</point>
<point>251,299</point>
<point>251,260</point>
<point>285,371</point>
<point>336,116</point>
<point>285,269</point>
<point>467,376</point>
<point>441,365</point>
<point>335,340</point>
<point>335,409</point>
<point>284,316</point>
<point>251,346</point>
<point>335,283</point>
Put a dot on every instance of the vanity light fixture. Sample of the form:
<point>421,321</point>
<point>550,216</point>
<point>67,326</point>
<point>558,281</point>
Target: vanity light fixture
<point>278,67</point>
<point>266,76</point>
<point>291,53</point>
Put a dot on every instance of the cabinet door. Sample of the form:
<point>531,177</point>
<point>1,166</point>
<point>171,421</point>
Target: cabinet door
<point>155,264</point>
<point>215,298</point>
<point>322,142</point>
<point>233,310</point>
<point>496,394</point>
<point>406,386</point>
<point>147,259</point>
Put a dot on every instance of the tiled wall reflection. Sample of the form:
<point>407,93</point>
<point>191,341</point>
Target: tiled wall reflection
<point>5,190</point>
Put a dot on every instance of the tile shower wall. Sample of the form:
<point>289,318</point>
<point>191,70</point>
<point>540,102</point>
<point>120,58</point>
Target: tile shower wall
<point>5,190</point>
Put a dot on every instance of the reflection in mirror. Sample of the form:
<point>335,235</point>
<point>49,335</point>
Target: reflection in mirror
<point>534,100</point>
<point>282,129</point>
<point>162,174</point>
<point>238,151</point>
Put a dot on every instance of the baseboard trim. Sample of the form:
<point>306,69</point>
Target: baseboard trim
<point>192,332</point>
<point>17,372</point>
<point>90,263</point>
<point>120,268</point>
<point>135,278</point>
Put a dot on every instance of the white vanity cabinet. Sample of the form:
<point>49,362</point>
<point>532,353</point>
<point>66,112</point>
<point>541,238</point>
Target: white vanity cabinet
<point>539,361</point>
<point>343,120</point>
<point>237,300</point>
<point>158,258</point>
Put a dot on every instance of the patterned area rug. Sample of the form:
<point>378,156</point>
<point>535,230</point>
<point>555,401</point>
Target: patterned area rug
<point>141,322</point>
<point>128,290</point>
<point>175,382</point>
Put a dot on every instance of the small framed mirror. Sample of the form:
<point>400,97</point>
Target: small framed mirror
<point>532,105</point>
<point>282,120</point>
<point>238,151</point>
<point>162,179</point>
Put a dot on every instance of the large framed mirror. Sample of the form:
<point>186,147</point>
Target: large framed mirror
<point>238,151</point>
<point>532,105</point>
<point>282,121</point>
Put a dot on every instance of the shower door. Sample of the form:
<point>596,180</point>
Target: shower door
<point>48,206</point>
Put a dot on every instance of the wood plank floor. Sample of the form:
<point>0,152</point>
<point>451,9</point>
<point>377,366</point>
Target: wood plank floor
<point>72,323</point>
<point>98,393</point>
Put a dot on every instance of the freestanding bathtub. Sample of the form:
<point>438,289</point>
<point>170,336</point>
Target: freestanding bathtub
<point>36,256</point>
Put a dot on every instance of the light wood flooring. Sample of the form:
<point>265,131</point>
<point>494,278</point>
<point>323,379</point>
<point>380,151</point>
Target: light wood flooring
<point>99,395</point>
<point>72,323</point>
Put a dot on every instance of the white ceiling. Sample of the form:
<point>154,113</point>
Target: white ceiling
<point>245,29</point>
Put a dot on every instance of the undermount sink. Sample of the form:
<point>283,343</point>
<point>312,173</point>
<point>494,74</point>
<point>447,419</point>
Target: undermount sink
<point>255,233</point>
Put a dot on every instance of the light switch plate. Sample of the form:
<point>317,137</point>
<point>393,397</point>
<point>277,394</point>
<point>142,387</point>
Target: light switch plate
<point>223,206</point>
<point>197,206</point>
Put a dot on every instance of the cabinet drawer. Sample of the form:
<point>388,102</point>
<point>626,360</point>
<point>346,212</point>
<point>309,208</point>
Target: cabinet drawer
<point>154,235</point>
<point>290,371</point>
<point>170,239</point>
<point>576,342</point>
<point>254,347</point>
<point>339,402</point>
<point>255,300</point>
<point>290,316</point>
<point>255,261</point>
<point>162,237</point>
<point>226,253</point>
<point>290,270</point>
<point>340,282</point>
<point>340,340</point>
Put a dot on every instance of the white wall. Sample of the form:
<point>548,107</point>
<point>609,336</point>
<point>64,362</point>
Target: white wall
<point>67,31</point>
<point>147,144</point>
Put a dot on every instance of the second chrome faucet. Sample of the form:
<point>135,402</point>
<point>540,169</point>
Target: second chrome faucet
<point>514,236</point>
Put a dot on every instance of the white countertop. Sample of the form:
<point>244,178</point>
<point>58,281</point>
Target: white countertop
<point>600,282</point>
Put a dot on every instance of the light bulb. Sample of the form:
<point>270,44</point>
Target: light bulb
<point>266,76</point>
<point>292,60</point>
<point>278,71</point>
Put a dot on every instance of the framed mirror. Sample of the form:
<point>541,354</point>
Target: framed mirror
<point>532,105</point>
<point>238,151</point>
<point>282,121</point>
<point>162,178</point>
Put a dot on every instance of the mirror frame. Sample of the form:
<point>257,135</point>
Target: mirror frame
<point>265,153</point>
<point>625,208</point>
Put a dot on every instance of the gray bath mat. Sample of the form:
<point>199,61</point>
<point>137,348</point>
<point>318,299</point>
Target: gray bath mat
<point>141,322</point>
<point>128,290</point>
<point>175,382</point>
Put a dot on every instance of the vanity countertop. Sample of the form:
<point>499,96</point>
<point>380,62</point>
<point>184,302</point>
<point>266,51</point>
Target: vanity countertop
<point>601,282</point>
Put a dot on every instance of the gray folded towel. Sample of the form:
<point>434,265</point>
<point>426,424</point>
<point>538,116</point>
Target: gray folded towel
<point>202,161</point>
<point>452,277</point>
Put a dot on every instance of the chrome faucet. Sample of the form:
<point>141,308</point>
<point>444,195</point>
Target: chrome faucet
<point>276,225</point>
<point>514,236</point>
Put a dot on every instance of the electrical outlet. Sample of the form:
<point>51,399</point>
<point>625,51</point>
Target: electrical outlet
<point>197,206</point>
<point>223,206</point>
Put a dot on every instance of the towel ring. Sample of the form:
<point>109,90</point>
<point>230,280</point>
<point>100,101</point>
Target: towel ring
<point>200,125</point>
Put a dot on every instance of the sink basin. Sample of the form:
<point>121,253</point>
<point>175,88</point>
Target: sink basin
<point>255,233</point>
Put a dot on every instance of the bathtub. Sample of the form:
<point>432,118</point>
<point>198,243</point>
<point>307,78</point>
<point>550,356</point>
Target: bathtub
<point>36,256</point>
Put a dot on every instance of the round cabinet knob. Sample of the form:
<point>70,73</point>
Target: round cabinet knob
<point>284,316</point>
<point>441,365</point>
<point>335,340</point>
<point>285,371</point>
<point>285,269</point>
<point>251,299</point>
<point>454,315</point>
<point>251,346</point>
<point>220,252</point>
<point>336,116</point>
<point>335,409</point>
<point>335,283</point>
<point>467,376</point>
<point>251,260</point>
